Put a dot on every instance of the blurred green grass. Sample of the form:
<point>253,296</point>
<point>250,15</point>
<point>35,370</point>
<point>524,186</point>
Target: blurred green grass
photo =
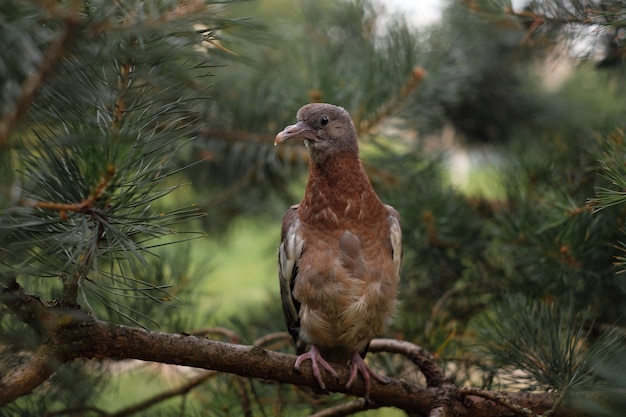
<point>243,270</point>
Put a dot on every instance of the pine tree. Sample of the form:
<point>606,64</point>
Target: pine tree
<point>512,297</point>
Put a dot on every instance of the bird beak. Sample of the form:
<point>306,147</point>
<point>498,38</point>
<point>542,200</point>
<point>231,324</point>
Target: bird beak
<point>300,129</point>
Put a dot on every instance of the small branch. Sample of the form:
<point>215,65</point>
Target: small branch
<point>143,405</point>
<point>246,404</point>
<point>539,19</point>
<point>238,136</point>
<point>77,411</point>
<point>26,377</point>
<point>235,188</point>
<point>273,341</point>
<point>415,78</point>
<point>34,81</point>
<point>451,292</point>
<point>97,195</point>
<point>81,207</point>
<point>499,399</point>
<point>181,390</point>
<point>346,409</point>
<point>435,375</point>
<point>222,331</point>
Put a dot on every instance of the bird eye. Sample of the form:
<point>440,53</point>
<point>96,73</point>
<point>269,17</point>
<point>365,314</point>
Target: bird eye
<point>324,120</point>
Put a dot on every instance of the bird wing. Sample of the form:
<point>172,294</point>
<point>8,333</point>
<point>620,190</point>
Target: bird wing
<point>395,237</point>
<point>289,252</point>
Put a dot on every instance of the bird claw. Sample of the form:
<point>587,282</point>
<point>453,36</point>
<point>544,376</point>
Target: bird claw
<point>316,360</point>
<point>357,364</point>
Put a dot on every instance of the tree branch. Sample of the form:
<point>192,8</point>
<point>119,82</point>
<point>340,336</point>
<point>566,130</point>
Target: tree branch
<point>435,376</point>
<point>71,334</point>
<point>497,398</point>
<point>97,340</point>
<point>346,409</point>
<point>181,390</point>
<point>24,378</point>
<point>33,82</point>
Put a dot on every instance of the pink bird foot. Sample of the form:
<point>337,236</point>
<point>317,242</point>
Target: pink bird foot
<point>357,364</point>
<point>316,360</point>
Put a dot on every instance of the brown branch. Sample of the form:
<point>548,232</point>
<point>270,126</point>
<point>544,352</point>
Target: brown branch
<point>34,81</point>
<point>237,135</point>
<point>346,409</point>
<point>294,154</point>
<point>76,411</point>
<point>498,398</point>
<point>98,340</point>
<point>72,335</point>
<point>539,19</point>
<point>81,206</point>
<point>274,341</point>
<point>26,377</point>
<point>435,311</point>
<point>181,390</point>
<point>435,376</point>
<point>143,405</point>
<point>222,331</point>
<point>414,79</point>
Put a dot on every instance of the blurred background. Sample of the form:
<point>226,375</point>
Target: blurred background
<point>136,140</point>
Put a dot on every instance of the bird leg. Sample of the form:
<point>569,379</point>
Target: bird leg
<point>316,359</point>
<point>357,364</point>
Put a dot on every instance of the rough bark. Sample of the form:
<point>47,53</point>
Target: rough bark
<point>71,334</point>
<point>98,340</point>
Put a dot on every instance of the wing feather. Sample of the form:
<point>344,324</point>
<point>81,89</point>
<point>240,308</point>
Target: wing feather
<point>395,237</point>
<point>289,253</point>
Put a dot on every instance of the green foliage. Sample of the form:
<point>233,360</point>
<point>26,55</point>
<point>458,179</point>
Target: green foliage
<point>611,401</point>
<point>481,79</point>
<point>99,100</point>
<point>442,238</point>
<point>563,359</point>
<point>112,106</point>
<point>109,123</point>
<point>342,52</point>
<point>614,170</point>
<point>543,241</point>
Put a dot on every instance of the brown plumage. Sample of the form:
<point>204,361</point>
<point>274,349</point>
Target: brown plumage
<point>340,251</point>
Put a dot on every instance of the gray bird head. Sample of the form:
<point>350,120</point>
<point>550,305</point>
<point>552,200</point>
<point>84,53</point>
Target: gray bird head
<point>325,128</point>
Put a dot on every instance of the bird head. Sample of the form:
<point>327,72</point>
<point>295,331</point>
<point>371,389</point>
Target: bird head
<point>325,129</point>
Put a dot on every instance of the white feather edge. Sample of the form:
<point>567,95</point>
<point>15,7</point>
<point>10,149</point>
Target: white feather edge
<point>395,235</point>
<point>289,252</point>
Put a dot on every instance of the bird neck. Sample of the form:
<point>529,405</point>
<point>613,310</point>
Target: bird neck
<point>338,190</point>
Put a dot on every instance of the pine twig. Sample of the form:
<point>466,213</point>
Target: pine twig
<point>223,331</point>
<point>346,409</point>
<point>498,399</point>
<point>539,19</point>
<point>175,392</point>
<point>80,207</point>
<point>77,411</point>
<point>34,81</point>
<point>274,340</point>
<point>435,375</point>
<point>24,378</point>
<point>416,77</point>
<point>235,136</point>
